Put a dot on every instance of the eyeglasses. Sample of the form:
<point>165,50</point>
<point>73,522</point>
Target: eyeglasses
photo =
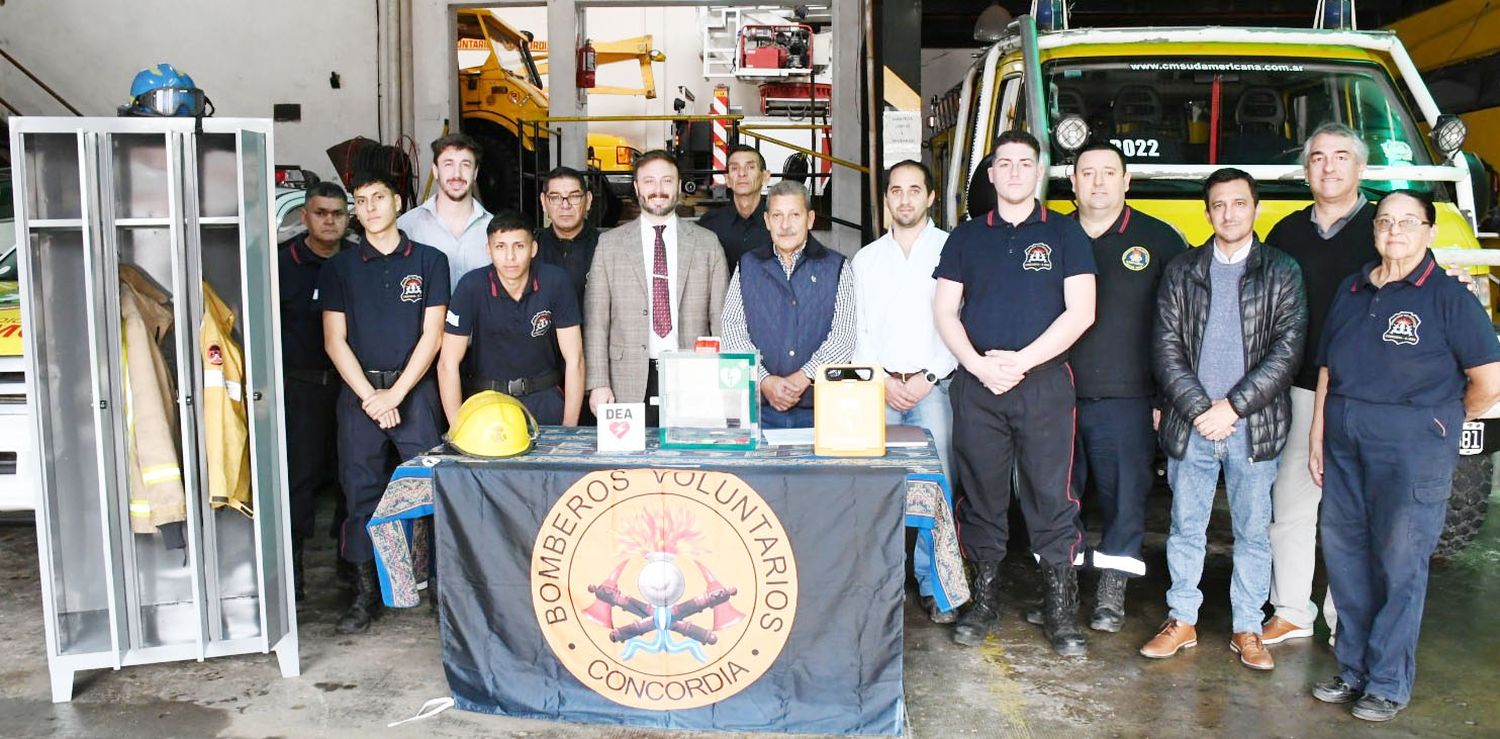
<point>573,199</point>
<point>1405,225</point>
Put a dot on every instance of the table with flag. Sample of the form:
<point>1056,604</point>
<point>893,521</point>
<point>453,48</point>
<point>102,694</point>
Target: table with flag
<point>689,589</point>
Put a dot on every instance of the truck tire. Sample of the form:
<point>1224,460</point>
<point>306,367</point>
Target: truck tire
<point>1467,505</point>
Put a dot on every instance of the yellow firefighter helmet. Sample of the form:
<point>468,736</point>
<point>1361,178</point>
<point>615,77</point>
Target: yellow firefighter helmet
<point>493,424</point>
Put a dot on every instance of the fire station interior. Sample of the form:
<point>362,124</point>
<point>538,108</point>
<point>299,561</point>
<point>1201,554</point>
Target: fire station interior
<point>810,85</point>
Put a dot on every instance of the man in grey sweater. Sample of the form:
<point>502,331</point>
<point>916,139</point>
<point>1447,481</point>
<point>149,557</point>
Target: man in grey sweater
<point>1231,317</point>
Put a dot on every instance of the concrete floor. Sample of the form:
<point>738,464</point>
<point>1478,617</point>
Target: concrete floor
<point>1012,686</point>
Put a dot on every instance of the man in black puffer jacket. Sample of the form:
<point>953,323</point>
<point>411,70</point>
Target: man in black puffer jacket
<point>1231,319</point>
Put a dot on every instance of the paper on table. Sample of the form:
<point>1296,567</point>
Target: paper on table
<point>905,436</point>
<point>788,437</point>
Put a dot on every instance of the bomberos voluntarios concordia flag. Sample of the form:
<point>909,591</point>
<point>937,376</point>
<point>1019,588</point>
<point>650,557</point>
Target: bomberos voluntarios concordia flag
<point>768,599</point>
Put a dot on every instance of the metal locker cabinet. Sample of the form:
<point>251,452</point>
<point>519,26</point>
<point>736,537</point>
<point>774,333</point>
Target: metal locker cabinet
<point>178,206</point>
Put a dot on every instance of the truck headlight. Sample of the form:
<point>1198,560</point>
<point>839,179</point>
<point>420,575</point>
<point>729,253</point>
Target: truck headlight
<point>1449,133</point>
<point>1071,133</point>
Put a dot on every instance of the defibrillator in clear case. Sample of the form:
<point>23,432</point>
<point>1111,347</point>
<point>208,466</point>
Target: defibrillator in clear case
<point>709,400</point>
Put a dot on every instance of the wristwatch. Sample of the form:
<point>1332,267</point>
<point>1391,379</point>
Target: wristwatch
<point>931,378</point>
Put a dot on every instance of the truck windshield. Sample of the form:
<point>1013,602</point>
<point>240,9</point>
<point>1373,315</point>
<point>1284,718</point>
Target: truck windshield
<point>512,49</point>
<point>1234,111</point>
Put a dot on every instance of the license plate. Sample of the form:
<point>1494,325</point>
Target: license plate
<point>1472,441</point>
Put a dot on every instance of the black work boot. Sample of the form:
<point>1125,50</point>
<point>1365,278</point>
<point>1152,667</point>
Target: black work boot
<point>366,604</point>
<point>1060,610</point>
<point>345,573</point>
<point>297,568</point>
<point>1109,602</point>
<point>984,610</point>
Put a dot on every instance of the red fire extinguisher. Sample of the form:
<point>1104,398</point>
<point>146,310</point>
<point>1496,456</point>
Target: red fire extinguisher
<point>587,63</point>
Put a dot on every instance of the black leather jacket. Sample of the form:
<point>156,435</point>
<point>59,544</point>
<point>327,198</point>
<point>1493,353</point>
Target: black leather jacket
<point>1273,313</point>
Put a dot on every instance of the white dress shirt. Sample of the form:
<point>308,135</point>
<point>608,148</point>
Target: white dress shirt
<point>893,305</point>
<point>1239,256</point>
<point>468,251</point>
<point>655,345</point>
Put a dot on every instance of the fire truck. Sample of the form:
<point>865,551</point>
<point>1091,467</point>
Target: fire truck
<point>1182,102</point>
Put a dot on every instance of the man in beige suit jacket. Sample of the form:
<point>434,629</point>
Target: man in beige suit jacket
<point>624,328</point>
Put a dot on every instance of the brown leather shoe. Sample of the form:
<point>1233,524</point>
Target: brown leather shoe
<point>1278,630</point>
<point>1252,652</point>
<point>1174,637</point>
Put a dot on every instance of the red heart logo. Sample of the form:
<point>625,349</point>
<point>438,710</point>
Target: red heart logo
<point>619,429</point>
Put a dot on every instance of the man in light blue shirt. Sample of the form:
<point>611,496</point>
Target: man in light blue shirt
<point>452,220</point>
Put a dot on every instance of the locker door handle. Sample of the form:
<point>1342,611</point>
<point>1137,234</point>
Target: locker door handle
<point>104,405</point>
<point>256,396</point>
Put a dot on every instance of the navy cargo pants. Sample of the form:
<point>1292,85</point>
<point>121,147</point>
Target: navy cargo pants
<point>1388,470</point>
<point>364,459</point>
<point>1118,448</point>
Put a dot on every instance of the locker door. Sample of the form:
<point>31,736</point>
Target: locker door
<point>67,390</point>
<point>264,392</point>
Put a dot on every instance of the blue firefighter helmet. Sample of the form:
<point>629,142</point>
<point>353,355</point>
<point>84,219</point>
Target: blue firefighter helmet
<point>162,90</point>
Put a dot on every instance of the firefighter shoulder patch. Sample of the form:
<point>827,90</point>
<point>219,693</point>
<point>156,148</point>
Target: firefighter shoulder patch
<point>1038,257</point>
<point>411,289</point>
<point>1402,328</point>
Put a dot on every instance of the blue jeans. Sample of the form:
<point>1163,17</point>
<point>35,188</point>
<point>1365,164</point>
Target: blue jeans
<point>792,418</point>
<point>933,412</point>
<point>1195,482</point>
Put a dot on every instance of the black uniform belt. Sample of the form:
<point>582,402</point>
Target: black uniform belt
<point>521,386</point>
<point>382,379</point>
<point>313,377</point>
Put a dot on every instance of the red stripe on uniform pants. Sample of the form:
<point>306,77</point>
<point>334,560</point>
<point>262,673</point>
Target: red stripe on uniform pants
<point>1068,488</point>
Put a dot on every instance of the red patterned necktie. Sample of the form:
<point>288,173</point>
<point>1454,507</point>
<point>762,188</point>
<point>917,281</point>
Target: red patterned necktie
<point>661,302</point>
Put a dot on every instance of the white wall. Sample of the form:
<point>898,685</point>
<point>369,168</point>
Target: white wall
<point>246,55</point>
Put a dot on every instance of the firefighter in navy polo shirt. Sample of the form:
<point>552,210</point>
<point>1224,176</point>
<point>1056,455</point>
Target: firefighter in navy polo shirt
<point>312,385</point>
<point>569,242</point>
<point>1407,355</point>
<point>519,316</point>
<point>383,304</point>
<point>1015,290</point>
<point>1112,370</point>
<point>740,224</point>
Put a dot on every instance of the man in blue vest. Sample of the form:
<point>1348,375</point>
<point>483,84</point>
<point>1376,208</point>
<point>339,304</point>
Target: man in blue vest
<point>794,302</point>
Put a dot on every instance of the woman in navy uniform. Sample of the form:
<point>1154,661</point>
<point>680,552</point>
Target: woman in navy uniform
<point>1407,355</point>
<point>521,319</point>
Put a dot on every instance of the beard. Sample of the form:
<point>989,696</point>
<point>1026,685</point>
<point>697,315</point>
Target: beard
<point>908,221</point>
<point>448,191</point>
<point>659,206</point>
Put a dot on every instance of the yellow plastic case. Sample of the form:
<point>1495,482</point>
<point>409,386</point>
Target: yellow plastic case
<point>849,411</point>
